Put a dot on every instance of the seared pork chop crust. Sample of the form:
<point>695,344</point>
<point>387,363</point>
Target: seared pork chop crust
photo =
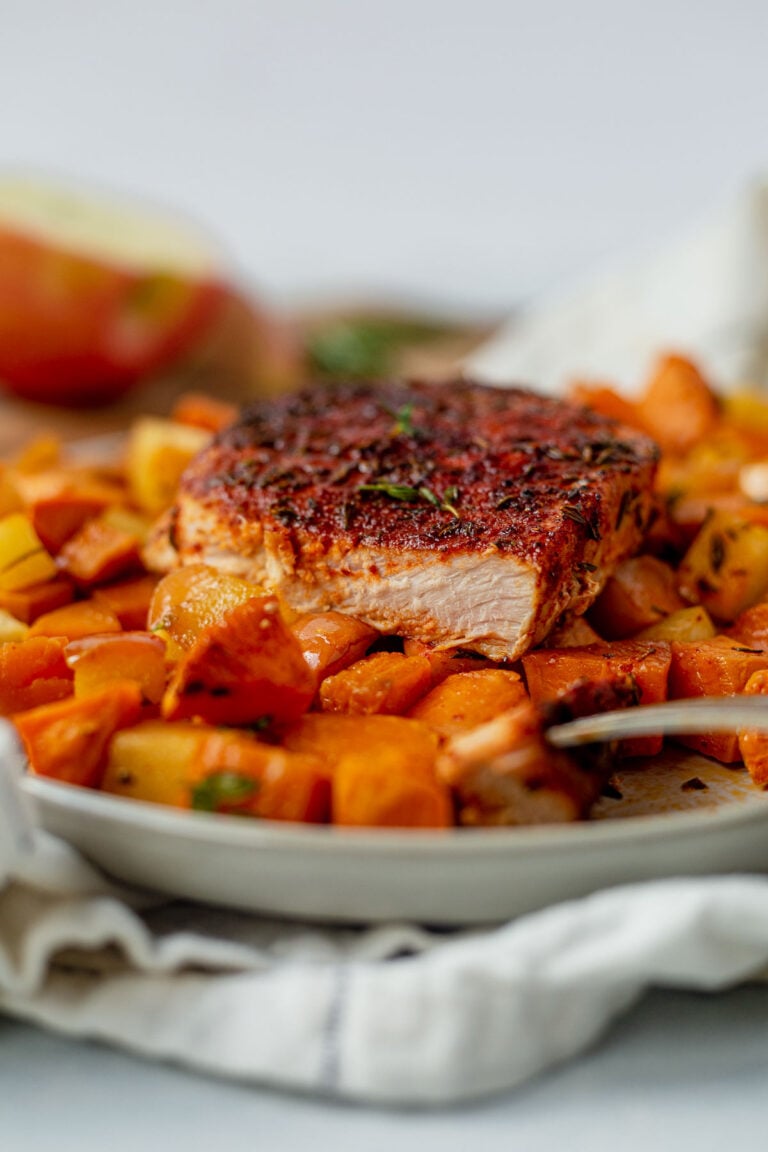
<point>460,514</point>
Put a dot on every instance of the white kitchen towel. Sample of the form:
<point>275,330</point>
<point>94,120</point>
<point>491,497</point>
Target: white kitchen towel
<point>705,294</point>
<point>397,1013</point>
<point>393,1014</point>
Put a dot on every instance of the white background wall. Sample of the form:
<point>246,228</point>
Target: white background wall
<point>469,152</point>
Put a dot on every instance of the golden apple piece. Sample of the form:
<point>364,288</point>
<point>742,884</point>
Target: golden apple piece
<point>23,558</point>
<point>158,452</point>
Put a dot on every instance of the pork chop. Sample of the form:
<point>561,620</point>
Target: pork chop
<point>458,514</point>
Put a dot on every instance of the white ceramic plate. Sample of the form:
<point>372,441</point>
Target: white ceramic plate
<point>456,877</point>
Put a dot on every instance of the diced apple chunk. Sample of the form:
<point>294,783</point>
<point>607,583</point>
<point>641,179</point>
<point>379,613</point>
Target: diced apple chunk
<point>158,452</point>
<point>23,559</point>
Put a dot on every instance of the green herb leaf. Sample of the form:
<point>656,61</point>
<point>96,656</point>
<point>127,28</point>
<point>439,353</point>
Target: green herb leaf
<point>403,492</point>
<point>394,491</point>
<point>428,494</point>
<point>404,421</point>
<point>222,790</point>
<point>368,346</point>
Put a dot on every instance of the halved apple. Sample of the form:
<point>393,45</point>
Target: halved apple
<point>95,296</point>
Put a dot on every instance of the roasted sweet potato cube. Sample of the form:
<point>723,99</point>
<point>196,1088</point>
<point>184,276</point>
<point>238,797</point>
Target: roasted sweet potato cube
<point>604,399</point>
<point>235,773</point>
<point>331,641</point>
<point>642,591</point>
<point>717,667</point>
<point>678,408</point>
<point>383,768</point>
<point>446,661</point>
<point>466,699</point>
<point>129,600</point>
<point>203,411</point>
<point>69,740</point>
<point>552,672</point>
<point>374,788</point>
<point>100,552</point>
<point>137,656</point>
<point>753,746</point>
<point>726,566</point>
<point>386,682</point>
<point>191,599</point>
<point>10,497</point>
<point>27,604</point>
<point>32,672</point>
<point>40,453</point>
<point>332,735</point>
<point>76,620</point>
<point>248,669</point>
<point>56,518</point>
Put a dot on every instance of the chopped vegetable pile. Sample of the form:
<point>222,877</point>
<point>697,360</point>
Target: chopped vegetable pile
<point>199,690</point>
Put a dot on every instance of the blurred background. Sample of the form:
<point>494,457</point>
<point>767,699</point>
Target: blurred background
<point>388,182</point>
<point>461,154</point>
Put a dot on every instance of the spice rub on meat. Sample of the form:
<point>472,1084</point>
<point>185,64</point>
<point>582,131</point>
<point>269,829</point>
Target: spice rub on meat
<point>458,514</point>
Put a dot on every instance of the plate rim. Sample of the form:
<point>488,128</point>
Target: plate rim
<point>242,832</point>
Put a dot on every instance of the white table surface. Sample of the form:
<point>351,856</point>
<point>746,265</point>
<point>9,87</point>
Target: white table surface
<point>467,152</point>
<point>680,1072</point>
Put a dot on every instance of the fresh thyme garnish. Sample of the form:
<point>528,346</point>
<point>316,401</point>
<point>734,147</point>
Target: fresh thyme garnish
<point>411,495</point>
<point>222,789</point>
<point>394,491</point>
<point>403,418</point>
<point>450,500</point>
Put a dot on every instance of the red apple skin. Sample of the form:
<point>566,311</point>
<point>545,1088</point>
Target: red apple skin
<point>78,331</point>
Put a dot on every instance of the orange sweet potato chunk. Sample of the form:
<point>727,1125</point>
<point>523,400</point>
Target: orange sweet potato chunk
<point>750,627</point>
<point>717,667</point>
<point>678,408</point>
<point>32,672</point>
<point>386,682</point>
<point>235,773</point>
<point>100,552</point>
<point>247,669</point>
<point>69,740</point>
<point>383,768</point>
<point>551,672</point>
<point>642,591</point>
<point>57,517</point>
<point>445,662</point>
<point>76,620</point>
<point>202,411</point>
<point>26,604</point>
<point>466,699</point>
<point>331,735</point>
<point>604,399</point>
<point>129,600</point>
<point>753,746</point>
<point>369,792</point>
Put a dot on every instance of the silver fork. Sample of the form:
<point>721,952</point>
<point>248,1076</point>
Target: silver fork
<point>675,718</point>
